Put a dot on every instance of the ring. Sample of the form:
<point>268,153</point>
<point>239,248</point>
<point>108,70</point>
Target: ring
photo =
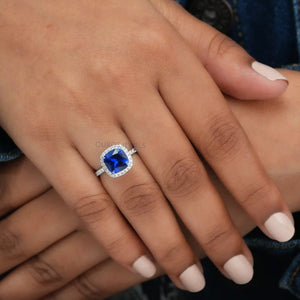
<point>116,161</point>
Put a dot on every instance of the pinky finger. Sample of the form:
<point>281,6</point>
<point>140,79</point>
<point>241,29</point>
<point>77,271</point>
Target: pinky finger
<point>100,282</point>
<point>94,206</point>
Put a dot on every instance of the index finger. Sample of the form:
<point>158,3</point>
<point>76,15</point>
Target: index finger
<point>232,68</point>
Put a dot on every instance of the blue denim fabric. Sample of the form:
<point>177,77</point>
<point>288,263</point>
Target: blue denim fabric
<point>8,150</point>
<point>183,2</point>
<point>266,29</point>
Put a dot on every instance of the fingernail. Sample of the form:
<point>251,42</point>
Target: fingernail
<point>192,279</point>
<point>144,266</point>
<point>267,71</point>
<point>280,227</point>
<point>239,269</point>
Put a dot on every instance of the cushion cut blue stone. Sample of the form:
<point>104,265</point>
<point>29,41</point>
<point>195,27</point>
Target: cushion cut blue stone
<point>116,160</point>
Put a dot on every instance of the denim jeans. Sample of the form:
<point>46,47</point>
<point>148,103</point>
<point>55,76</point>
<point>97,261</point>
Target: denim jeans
<point>270,31</point>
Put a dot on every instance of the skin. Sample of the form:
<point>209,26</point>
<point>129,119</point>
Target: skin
<point>92,72</point>
<point>62,256</point>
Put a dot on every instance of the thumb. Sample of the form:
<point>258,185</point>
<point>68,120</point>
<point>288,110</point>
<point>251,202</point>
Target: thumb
<point>232,68</point>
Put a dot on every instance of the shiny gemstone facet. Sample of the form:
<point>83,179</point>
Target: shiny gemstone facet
<point>116,160</point>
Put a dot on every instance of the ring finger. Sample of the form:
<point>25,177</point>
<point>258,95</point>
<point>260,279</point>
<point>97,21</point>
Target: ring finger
<point>141,201</point>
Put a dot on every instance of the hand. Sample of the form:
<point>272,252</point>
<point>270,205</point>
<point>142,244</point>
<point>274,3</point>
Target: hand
<point>61,251</point>
<point>225,60</point>
<point>77,83</point>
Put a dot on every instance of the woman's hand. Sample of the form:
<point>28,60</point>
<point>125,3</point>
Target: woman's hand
<point>49,248</point>
<point>76,76</point>
<point>230,66</point>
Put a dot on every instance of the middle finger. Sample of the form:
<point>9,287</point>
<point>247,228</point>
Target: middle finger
<point>174,163</point>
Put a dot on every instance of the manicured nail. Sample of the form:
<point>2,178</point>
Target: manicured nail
<point>192,279</point>
<point>144,266</point>
<point>267,71</point>
<point>239,269</point>
<point>280,227</point>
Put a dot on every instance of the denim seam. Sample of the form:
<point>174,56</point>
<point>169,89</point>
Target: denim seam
<point>258,242</point>
<point>238,22</point>
<point>293,276</point>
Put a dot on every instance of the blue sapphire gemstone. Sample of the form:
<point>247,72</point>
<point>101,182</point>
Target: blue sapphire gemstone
<point>116,160</point>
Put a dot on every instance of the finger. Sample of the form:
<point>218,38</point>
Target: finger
<point>232,68</point>
<point>184,181</point>
<point>20,182</point>
<point>143,204</point>
<point>46,217</point>
<point>83,192</point>
<point>97,283</point>
<point>214,130</point>
<point>53,268</point>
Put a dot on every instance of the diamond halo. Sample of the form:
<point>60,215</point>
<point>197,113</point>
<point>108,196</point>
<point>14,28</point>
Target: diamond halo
<point>105,169</point>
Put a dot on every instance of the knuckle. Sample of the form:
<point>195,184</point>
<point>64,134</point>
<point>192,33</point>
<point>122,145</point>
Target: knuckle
<point>87,289</point>
<point>10,244</point>
<point>115,247</point>
<point>172,257</point>
<point>154,40</point>
<point>183,177</point>
<point>224,138</point>
<point>113,74</point>
<point>154,43</point>
<point>261,192</point>
<point>140,199</point>
<point>220,45</point>
<point>42,272</point>
<point>94,208</point>
<point>217,236</point>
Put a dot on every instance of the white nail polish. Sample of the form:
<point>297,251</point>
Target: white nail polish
<point>193,279</point>
<point>280,227</point>
<point>239,269</point>
<point>144,266</point>
<point>267,72</point>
